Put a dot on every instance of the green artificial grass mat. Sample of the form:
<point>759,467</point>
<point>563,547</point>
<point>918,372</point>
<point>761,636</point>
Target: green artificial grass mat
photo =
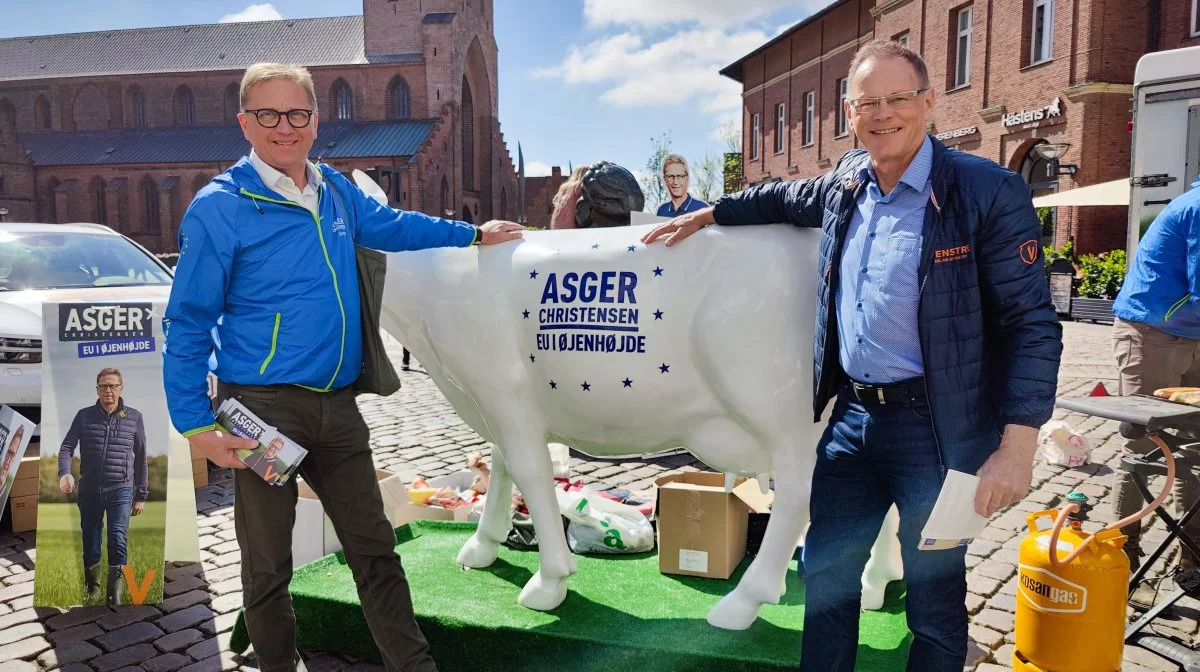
<point>620,610</point>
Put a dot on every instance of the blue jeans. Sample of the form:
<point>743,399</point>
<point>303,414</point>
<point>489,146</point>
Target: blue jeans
<point>93,506</point>
<point>868,459</point>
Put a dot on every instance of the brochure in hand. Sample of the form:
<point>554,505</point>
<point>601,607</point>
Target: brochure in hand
<point>276,458</point>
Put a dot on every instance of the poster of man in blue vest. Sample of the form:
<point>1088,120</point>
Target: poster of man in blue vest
<point>103,474</point>
<point>113,480</point>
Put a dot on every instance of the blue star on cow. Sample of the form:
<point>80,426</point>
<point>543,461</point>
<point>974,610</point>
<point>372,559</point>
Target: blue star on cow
<point>525,314</point>
<point>658,314</point>
<point>596,246</point>
<point>658,271</point>
<point>631,248</point>
<point>553,385</point>
<point>586,386</point>
<point>531,357</point>
<point>533,275</point>
<point>627,382</point>
<point>664,368</point>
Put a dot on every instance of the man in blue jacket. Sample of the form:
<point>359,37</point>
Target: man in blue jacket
<point>267,258</point>
<point>114,483</point>
<point>936,335</point>
<point>1156,340</point>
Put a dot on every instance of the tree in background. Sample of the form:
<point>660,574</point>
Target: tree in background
<point>706,178</point>
<point>731,132</point>
<point>653,188</point>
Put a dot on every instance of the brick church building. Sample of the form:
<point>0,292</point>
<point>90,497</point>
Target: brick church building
<point>123,127</point>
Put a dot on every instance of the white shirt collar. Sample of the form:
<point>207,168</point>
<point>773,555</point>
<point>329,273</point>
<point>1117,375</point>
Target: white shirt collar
<point>272,177</point>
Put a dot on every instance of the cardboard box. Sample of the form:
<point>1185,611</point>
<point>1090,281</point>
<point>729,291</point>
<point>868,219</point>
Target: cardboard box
<point>313,535</point>
<point>24,513</point>
<point>200,472</point>
<point>408,511</point>
<point>29,466</point>
<point>23,487</point>
<point>701,528</point>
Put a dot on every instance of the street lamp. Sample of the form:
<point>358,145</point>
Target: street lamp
<point>1053,152</point>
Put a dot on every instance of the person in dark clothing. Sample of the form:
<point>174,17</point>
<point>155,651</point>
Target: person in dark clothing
<point>113,479</point>
<point>936,337</point>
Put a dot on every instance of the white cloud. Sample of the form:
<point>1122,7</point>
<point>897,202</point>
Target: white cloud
<point>536,169</point>
<point>263,12</point>
<point>713,13</point>
<point>672,71</point>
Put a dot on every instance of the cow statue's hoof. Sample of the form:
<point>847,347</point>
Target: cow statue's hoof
<point>734,612</point>
<point>542,594</point>
<point>872,596</point>
<point>478,553</point>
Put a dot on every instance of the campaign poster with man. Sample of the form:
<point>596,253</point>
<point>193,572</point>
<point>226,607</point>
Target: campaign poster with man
<point>15,433</point>
<point>105,440</point>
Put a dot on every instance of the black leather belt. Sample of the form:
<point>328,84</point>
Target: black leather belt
<point>903,393</point>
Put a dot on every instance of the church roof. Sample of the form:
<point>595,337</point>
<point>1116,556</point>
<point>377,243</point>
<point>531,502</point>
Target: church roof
<point>198,48</point>
<point>217,144</point>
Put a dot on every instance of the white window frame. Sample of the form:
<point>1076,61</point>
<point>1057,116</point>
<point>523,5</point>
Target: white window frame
<point>780,127</point>
<point>755,135</point>
<point>1195,18</point>
<point>810,113</point>
<point>843,122</point>
<point>962,45</point>
<point>1047,41</point>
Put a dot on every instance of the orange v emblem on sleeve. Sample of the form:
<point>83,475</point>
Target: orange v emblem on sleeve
<point>137,592</point>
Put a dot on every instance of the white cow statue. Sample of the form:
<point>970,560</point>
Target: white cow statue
<point>589,338</point>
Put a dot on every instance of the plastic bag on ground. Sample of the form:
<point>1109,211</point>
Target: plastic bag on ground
<point>1059,444</point>
<point>599,525</point>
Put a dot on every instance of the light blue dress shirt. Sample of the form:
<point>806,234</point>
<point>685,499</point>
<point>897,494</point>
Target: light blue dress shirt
<point>879,291</point>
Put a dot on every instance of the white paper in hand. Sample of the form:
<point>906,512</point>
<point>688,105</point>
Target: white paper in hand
<point>954,521</point>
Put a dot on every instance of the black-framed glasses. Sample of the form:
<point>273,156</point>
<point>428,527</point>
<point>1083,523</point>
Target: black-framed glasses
<point>895,101</point>
<point>676,177</point>
<point>268,118</point>
<point>108,386</point>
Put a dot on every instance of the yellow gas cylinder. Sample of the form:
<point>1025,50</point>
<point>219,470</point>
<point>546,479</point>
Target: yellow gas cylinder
<point>1070,618</point>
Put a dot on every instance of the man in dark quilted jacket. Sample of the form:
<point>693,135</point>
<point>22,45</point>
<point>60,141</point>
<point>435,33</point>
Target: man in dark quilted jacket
<point>113,479</point>
<point>934,335</point>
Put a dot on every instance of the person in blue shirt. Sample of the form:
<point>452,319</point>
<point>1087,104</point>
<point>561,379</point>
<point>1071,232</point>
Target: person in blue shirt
<point>675,175</point>
<point>934,332</point>
<point>1156,340</point>
<point>267,258</point>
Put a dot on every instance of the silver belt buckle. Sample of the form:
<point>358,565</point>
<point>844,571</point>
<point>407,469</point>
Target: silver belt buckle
<point>879,393</point>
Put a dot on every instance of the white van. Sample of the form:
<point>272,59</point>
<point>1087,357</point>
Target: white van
<point>1165,155</point>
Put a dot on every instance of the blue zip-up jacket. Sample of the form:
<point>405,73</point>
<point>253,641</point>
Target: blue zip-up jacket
<point>279,286</point>
<point>112,450</point>
<point>990,339</point>
<point>1162,287</point>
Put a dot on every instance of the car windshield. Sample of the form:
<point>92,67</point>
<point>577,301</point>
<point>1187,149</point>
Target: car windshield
<point>38,260</point>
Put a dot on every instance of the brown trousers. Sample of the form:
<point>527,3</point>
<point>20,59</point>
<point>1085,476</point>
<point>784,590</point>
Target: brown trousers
<point>1149,359</point>
<point>340,470</point>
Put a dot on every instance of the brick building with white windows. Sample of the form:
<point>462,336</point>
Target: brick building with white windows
<point>1009,75</point>
<point>124,126</point>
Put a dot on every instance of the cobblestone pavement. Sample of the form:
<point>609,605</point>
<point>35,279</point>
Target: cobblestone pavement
<point>416,432</point>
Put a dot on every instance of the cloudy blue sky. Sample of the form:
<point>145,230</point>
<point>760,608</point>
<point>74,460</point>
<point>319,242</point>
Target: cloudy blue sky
<point>580,80</point>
